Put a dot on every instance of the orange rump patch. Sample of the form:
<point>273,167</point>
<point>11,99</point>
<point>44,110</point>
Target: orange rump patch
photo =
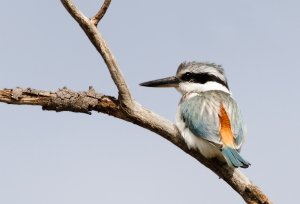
<point>225,128</point>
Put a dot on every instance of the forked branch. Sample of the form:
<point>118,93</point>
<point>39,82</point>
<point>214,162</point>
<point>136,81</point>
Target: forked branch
<point>99,15</point>
<point>90,29</point>
<point>124,107</point>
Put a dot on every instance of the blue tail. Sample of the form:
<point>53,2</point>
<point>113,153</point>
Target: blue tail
<point>233,158</point>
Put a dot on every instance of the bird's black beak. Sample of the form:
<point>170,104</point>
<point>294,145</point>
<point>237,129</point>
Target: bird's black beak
<point>165,82</point>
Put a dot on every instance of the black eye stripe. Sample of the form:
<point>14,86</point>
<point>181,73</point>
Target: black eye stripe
<point>202,78</point>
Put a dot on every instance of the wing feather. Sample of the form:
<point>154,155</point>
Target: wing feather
<point>201,114</point>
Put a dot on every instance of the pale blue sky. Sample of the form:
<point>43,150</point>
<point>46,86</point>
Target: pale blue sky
<point>48,157</point>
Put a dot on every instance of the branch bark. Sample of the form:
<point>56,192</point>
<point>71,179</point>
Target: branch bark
<point>124,107</point>
<point>64,100</point>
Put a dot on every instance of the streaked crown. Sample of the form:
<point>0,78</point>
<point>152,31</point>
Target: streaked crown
<point>199,72</point>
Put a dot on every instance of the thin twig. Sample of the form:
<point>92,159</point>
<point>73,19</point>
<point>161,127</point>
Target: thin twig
<point>101,12</point>
<point>97,40</point>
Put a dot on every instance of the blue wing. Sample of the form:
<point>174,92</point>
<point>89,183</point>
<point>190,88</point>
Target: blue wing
<point>201,115</point>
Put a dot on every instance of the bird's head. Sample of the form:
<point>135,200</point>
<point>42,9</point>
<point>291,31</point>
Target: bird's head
<point>194,77</point>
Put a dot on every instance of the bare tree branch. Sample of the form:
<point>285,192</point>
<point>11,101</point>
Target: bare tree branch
<point>124,107</point>
<point>101,12</point>
<point>87,101</point>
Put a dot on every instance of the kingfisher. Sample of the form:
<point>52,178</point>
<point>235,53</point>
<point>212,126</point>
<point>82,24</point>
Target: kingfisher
<point>208,118</point>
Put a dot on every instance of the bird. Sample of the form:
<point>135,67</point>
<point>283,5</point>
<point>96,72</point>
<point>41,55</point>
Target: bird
<point>208,118</point>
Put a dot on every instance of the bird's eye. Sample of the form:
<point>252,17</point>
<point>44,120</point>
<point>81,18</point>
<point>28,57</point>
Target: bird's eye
<point>187,76</point>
